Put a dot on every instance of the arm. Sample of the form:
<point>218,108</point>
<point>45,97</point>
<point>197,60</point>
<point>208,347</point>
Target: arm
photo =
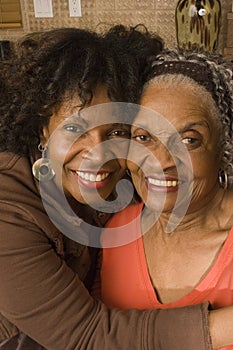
<point>95,289</point>
<point>221,327</point>
<point>46,300</point>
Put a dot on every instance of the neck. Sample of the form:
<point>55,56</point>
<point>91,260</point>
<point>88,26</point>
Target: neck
<point>204,216</point>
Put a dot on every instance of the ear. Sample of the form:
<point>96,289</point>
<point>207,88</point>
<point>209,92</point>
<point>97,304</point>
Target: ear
<point>44,135</point>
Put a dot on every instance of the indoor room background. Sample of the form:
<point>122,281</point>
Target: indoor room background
<point>156,15</point>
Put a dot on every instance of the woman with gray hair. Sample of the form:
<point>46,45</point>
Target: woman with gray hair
<point>181,163</point>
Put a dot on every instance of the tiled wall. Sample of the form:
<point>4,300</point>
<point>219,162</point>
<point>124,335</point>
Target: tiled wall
<point>157,15</point>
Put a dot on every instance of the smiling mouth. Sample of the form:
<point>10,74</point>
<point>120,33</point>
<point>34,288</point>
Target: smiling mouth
<point>92,177</point>
<point>162,183</point>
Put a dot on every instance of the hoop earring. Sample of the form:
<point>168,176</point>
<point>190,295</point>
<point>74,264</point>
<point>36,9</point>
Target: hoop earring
<point>42,169</point>
<point>223,179</point>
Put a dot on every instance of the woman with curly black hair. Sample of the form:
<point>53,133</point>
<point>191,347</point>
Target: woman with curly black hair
<point>55,111</point>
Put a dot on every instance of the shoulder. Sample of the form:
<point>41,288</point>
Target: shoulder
<point>20,200</point>
<point>126,215</point>
<point>8,160</point>
<point>15,164</point>
<point>123,227</point>
<point>16,179</point>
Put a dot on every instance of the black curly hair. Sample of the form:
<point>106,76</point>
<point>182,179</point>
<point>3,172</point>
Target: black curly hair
<point>51,67</point>
<point>131,49</point>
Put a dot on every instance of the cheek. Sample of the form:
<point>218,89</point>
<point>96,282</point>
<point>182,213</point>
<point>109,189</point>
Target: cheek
<point>140,186</point>
<point>206,166</point>
<point>138,177</point>
<point>132,167</point>
<point>122,164</point>
<point>137,183</point>
<point>59,149</point>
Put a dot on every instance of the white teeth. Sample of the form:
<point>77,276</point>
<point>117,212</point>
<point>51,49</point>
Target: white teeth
<point>92,177</point>
<point>98,178</point>
<point>163,183</point>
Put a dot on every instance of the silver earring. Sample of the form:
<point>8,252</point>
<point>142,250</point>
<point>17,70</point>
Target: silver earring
<point>223,179</point>
<point>42,169</point>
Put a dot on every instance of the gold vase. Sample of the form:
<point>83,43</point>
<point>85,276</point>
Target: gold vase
<point>198,24</point>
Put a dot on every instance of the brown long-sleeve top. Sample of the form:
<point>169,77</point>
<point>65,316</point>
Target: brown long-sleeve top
<point>41,293</point>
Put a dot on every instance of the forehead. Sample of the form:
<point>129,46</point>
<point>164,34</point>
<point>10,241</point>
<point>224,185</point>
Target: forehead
<point>174,102</point>
<point>97,115</point>
<point>177,88</point>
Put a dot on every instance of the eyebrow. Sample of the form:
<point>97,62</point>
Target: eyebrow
<point>119,124</point>
<point>190,125</point>
<point>76,118</point>
<point>184,128</point>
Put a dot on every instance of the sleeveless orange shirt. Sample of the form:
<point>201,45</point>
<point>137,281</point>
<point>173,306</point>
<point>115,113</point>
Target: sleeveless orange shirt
<point>125,280</point>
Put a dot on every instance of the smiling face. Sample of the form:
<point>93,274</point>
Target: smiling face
<point>179,146</point>
<point>86,150</point>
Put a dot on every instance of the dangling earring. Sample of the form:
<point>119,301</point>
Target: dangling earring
<point>42,169</point>
<point>223,179</point>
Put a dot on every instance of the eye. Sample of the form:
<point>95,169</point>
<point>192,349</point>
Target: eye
<point>191,142</point>
<point>142,138</point>
<point>73,128</point>
<point>119,133</point>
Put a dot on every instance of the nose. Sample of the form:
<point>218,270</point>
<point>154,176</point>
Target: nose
<point>96,149</point>
<point>164,156</point>
<point>97,153</point>
<point>159,157</point>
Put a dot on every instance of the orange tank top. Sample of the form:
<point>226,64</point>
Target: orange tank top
<point>125,280</point>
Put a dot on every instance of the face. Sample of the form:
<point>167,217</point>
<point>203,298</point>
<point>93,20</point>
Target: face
<point>177,142</point>
<point>85,150</point>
